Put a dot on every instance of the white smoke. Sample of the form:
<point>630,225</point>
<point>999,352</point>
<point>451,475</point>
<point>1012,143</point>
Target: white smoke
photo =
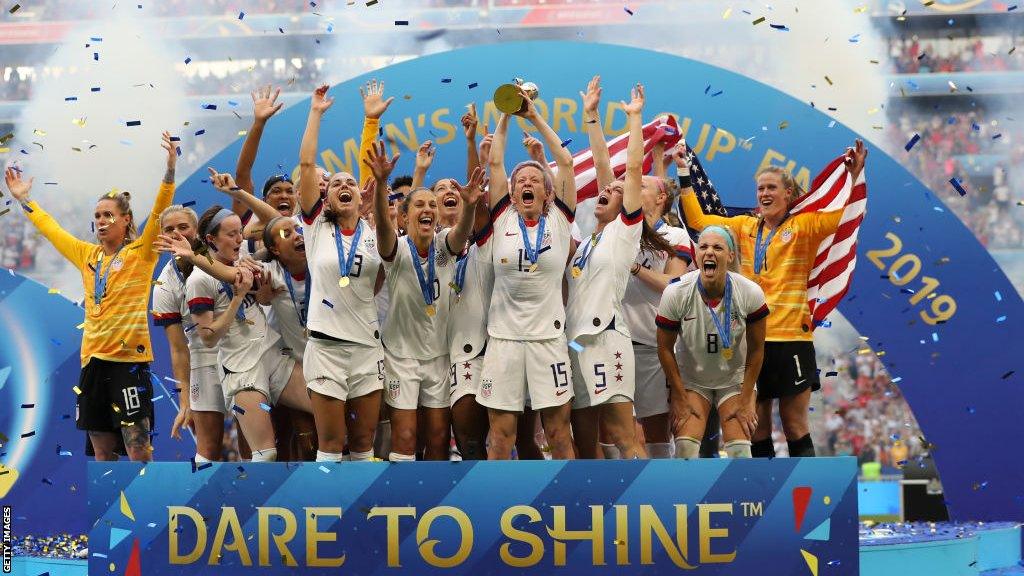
<point>75,130</point>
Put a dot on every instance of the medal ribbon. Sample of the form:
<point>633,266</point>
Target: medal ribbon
<point>533,251</point>
<point>426,284</point>
<point>303,310</point>
<point>99,289</point>
<point>581,262</point>
<point>345,262</point>
<point>240,313</point>
<point>724,332</point>
<point>761,250</point>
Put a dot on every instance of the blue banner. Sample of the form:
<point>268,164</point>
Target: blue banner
<point>709,516</point>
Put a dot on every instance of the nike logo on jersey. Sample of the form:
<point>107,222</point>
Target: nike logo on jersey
<point>689,318</point>
<point>799,382</point>
<point>511,234</point>
<point>596,392</point>
<point>560,392</point>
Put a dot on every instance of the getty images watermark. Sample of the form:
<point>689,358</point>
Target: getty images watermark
<point>6,544</point>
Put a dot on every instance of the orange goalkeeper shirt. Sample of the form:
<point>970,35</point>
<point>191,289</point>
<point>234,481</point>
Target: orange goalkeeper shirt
<point>116,329</point>
<point>787,266</point>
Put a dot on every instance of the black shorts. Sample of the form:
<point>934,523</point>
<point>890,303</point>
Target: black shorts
<point>789,368</point>
<point>113,394</point>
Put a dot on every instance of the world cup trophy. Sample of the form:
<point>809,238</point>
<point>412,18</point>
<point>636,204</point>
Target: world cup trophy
<point>508,99</point>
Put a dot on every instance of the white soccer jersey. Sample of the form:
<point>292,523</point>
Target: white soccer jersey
<point>467,316</point>
<point>170,307</point>
<point>290,307</point>
<point>640,304</point>
<point>245,341</point>
<point>348,313</point>
<point>699,351</point>
<point>411,332</point>
<point>527,305</point>
<point>595,297</point>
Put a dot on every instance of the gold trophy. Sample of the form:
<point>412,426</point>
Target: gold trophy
<point>508,99</point>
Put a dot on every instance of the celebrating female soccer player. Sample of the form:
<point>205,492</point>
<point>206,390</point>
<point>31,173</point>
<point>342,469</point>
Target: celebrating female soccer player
<point>194,365</point>
<point>344,362</point>
<point>114,390</point>
<point>417,265</point>
<point>529,243</point>
<point>655,266</point>
<point>602,353</point>
<point>778,251</point>
<point>719,316</point>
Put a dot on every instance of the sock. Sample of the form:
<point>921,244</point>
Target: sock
<point>659,450</point>
<point>200,459</point>
<point>328,456</point>
<point>802,447</point>
<point>762,448</point>
<point>265,455</point>
<point>396,457</point>
<point>737,449</point>
<point>611,451</point>
<point>687,448</point>
<point>361,456</point>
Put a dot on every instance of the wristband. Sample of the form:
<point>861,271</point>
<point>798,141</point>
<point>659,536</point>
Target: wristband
<point>685,181</point>
<point>635,270</point>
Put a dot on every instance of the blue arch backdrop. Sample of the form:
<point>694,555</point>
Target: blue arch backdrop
<point>925,292</point>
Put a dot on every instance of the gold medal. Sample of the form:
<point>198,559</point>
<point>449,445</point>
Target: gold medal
<point>343,281</point>
<point>431,310</point>
<point>727,353</point>
<point>533,267</point>
<point>576,272</point>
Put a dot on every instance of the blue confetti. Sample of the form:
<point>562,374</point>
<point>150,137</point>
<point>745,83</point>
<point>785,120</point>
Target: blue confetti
<point>71,99</point>
<point>854,39</point>
<point>200,132</point>
<point>576,346</point>
<point>935,337</point>
<point>238,409</point>
<point>188,59</point>
<point>780,27</point>
<point>566,142</point>
<point>328,304</point>
<point>95,39</point>
<point>241,15</point>
<point>628,11</point>
<point>446,80</point>
<point>232,103</point>
<point>958,186</point>
<point>473,85</point>
<point>189,203</point>
<point>264,407</point>
<point>96,56</point>
<point>999,297</point>
<point>134,123</point>
<point>94,89</point>
<point>1001,319</point>
<point>913,140</point>
<point>401,22</point>
<point>209,106</point>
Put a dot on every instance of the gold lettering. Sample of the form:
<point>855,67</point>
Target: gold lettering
<point>649,522</point>
<point>280,540</point>
<point>803,179</point>
<point>534,541</point>
<point>407,138</point>
<point>172,534</point>
<point>392,514</point>
<point>542,109</point>
<point>595,534</point>
<point>684,126</point>
<point>609,119</point>
<point>438,122</point>
<point>229,520</point>
<point>770,156</point>
<point>427,545</point>
<point>564,109</point>
<point>491,116</point>
<point>621,534</point>
<point>707,533</point>
<point>314,537</point>
<point>722,142</point>
<point>702,138</point>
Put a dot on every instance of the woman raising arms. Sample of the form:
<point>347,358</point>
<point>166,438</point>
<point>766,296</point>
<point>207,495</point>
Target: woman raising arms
<point>114,404</point>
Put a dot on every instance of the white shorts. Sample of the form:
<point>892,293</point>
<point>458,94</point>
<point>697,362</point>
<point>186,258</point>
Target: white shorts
<point>651,396</point>
<point>205,392</point>
<point>715,396</point>
<point>515,370</point>
<point>269,377</point>
<point>603,369</point>
<point>413,383</point>
<point>464,379</point>
<point>342,370</point>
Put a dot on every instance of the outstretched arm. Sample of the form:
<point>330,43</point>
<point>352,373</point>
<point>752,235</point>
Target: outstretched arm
<point>695,216</point>
<point>496,162</point>
<point>223,182</point>
<point>374,106</point>
<point>309,191</point>
<point>469,121</point>
<point>634,151</point>
<point>471,194</point>
<point>565,183</point>
<point>598,145</point>
<point>163,199</point>
<point>264,106</point>
<point>381,168</point>
<point>76,251</point>
<point>424,158</point>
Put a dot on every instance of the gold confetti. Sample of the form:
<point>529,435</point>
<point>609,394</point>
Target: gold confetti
<point>829,80</point>
<point>116,408</point>
<point>77,390</point>
<point>952,87</point>
<point>860,9</point>
<point>39,132</point>
<point>80,122</point>
<point>873,61</point>
<point>873,111</point>
<point>783,125</point>
<point>243,132</point>
<point>54,290</point>
<point>759,20</point>
<point>928,2</point>
<point>80,326</point>
<point>727,13</point>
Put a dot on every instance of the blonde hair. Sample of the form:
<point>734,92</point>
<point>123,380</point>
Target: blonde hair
<point>123,200</point>
<point>175,208</point>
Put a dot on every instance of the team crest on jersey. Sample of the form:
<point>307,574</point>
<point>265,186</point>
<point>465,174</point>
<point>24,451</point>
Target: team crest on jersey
<point>443,257</point>
<point>394,387</point>
<point>546,240</point>
<point>116,264</point>
<point>486,387</point>
<point>369,242</point>
<point>787,234</point>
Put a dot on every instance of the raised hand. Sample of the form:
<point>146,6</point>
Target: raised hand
<point>175,244</point>
<point>374,104</point>
<point>474,189</point>
<point>855,158</point>
<point>264,102</point>
<point>592,98</point>
<point>223,181</point>
<point>469,122</point>
<point>681,156</point>
<point>19,188</point>
<point>378,162</point>
<point>243,282</point>
<point>534,148</point>
<point>636,103</point>
<point>529,110</point>
<point>320,101</point>
<point>171,147</point>
<point>367,198</point>
<point>425,156</point>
